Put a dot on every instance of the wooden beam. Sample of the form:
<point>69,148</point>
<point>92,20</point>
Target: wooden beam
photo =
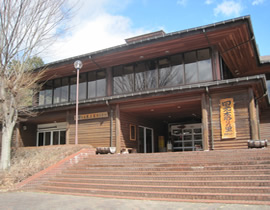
<point>117,129</point>
<point>253,116</point>
<point>205,121</point>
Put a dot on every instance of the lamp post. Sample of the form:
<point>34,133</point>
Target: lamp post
<point>78,65</point>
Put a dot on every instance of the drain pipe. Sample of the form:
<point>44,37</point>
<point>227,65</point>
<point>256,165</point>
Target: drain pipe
<point>111,123</point>
<point>211,115</point>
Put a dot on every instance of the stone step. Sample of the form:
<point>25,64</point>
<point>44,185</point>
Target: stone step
<point>248,154</point>
<point>182,173</point>
<point>169,177</point>
<point>174,168</point>
<point>205,189</point>
<point>171,164</point>
<point>228,183</point>
<point>167,195</point>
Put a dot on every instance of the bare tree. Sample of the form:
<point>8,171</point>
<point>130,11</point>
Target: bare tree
<point>26,28</point>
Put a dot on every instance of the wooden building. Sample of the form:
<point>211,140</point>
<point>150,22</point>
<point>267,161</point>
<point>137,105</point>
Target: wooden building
<point>203,88</point>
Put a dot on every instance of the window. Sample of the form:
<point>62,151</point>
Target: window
<point>73,84</point>
<point>101,83</point>
<point>53,137</point>
<point>64,90</point>
<point>96,84</point>
<point>123,79</point>
<point>204,65</point>
<point>91,85</point>
<point>151,76</point>
<point>187,68</point>
<point>45,96</point>
<point>82,87</point>
<point>173,74</point>
<point>191,68</point>
<point>57,91</point>
<point>139,76</point>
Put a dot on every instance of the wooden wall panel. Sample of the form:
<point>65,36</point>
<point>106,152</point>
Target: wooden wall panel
<point>127,119</point>
<point>95,132</point>
<point>265,124</point>
<point>27,137</point>
<point>242,121</point>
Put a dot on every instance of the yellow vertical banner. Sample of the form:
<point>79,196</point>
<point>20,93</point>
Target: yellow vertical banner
<point>227,118</point>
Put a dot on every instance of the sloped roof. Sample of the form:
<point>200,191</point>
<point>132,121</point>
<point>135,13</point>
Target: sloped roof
<point>233,38</point>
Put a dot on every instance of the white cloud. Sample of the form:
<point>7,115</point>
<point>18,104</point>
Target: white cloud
<point>228,8</point>
<point>93,29</point>
<point>257,2</point>
<point>182,2</point>
<point>209,2</point>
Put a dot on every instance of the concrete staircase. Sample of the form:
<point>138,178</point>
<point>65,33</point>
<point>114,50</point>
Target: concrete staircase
<point>232,176</point>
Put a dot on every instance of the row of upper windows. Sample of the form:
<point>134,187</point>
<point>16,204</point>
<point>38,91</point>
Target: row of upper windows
<point>179,69</point>
<point>91,85</point>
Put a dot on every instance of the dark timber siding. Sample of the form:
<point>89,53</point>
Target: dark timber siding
<point>265,124</point>
<point>241,104</point>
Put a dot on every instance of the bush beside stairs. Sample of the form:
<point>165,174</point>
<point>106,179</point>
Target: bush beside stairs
<point>231,176</point>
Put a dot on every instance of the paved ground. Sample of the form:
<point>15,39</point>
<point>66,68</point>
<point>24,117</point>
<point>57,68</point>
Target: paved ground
<point>37,201</point>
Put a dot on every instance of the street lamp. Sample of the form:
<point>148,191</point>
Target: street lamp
<point>77,65</point>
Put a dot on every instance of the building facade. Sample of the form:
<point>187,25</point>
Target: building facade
<point>203,88</point>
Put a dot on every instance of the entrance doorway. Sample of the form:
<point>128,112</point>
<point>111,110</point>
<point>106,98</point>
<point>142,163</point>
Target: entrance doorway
<point>146,139</point>
<point>51,134</point>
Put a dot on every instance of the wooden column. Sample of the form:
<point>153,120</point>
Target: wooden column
<point>253,116</point>
<point>68,127</point>
<point>117,129</point>
<point>205,121</point>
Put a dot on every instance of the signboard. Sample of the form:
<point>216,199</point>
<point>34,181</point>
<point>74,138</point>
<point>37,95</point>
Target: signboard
<point>97,115</point>
<point>227,118</point>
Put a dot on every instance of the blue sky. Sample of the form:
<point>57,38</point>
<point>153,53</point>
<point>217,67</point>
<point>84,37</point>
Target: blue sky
<point>98,24</point>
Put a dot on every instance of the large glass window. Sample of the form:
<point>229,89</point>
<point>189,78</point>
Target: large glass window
<point>123,79</point>
<point>96,84</point>
<point>64,90</point>
<point>191,68</point>
<point>73,85</point>
<point>91,85</point>
<point>139,76</point>
<point>187,68</point>
<point>45,95</point>
<point>204,65</point>
<point>57,91</point>
<point>101,83</point>
<point>151,76</point>
<point>82,87</point>
<point>171,73</point>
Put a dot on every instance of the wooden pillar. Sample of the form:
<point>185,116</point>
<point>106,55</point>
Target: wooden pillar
<point>205,120</point>
<point>68,127</point>
<point>253,116</point>
<point>117,129</point>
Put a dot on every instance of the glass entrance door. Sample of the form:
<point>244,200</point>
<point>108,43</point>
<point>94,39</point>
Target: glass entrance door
<point>55,137</point>
<point>146,138</point>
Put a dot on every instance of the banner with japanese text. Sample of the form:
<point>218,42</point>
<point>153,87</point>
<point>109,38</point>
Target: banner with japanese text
<point>227,118</point>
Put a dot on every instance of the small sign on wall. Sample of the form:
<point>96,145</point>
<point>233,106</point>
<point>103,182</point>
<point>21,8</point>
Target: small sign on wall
<point>227,118</point>
<point>97,115</point>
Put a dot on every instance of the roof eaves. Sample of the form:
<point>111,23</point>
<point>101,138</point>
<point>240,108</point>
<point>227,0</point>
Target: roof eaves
<point>152,39</point>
